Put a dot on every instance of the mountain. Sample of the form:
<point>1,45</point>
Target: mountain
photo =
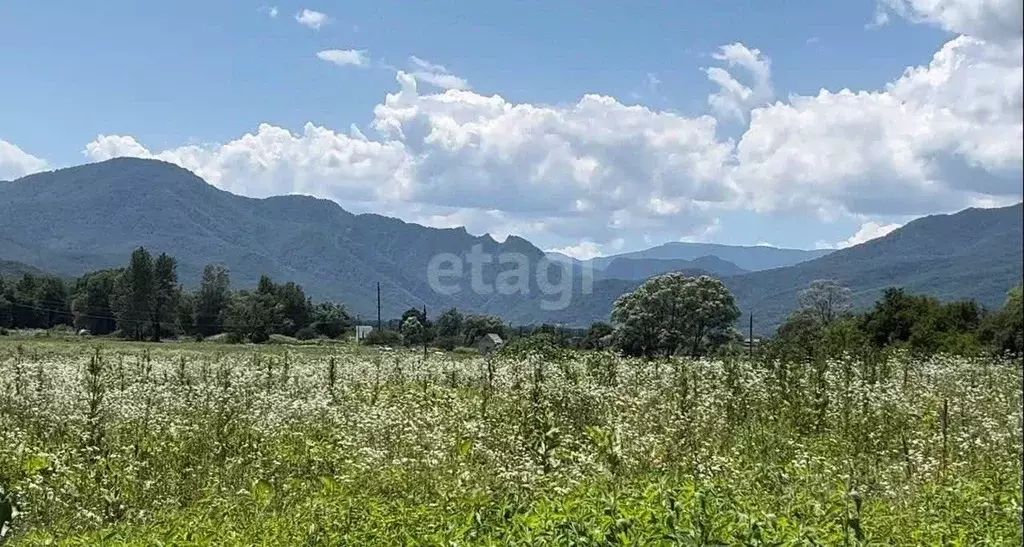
<point>750,258</point>
<point>89,217</point>
<point>92,216</point>
<point>11,269</point>
<point>975,254</point>
<point>639,269</point>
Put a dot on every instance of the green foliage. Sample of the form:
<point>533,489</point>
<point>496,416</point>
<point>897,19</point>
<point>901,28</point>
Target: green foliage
<point>93,303</point>
<point>330,319</point>
<point>476,326</point>
<point>213,300</point>
<point>327,445</point>
<point>597,336</point>
<point>254,315</point>
<point>413,332</point>
<point>449,323</point>
<point>673,313</point>
<point>383,338</point>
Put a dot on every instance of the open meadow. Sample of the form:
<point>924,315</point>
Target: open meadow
<point>105,442</point>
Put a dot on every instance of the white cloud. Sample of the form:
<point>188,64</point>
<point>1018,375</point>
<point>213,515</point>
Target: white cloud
<point>585,250</point>
<point>16,163</point>
<point>436,75</point>
<point>733,99</point>
<point>582,175</point>
<point>343,57</point>
<point>998,21</point>
<point>937,137</point>
<point>271,11</point>
<point>867,231</point>
<point>312,19</point>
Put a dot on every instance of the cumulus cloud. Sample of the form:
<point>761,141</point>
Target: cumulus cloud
<point>436,75</point>
<point>998,21</point>
<point>578,176</point>
<point>867,231</point>
<point>734,99</point>
<point>16,163</point>
<point>939,136</point>
<point>312,19</point>
<point>585,250</point>
<point>343,57</point>
<point>271,11</point>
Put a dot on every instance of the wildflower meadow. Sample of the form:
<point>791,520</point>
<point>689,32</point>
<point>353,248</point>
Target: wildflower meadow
<point>117,443</point>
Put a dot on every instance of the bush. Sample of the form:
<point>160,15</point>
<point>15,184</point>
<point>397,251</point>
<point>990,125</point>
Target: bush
<point>383,338</point>
<point>3,331</point>
<point>306,333</point>
<point>543,343</point>
<point>462,350</point>
<point>447,343</point>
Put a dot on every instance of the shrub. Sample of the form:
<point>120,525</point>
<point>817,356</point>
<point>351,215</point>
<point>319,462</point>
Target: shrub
<point>306,333</point>
<point>447,343</point>
<point>383,338</point>
<point>462,350</point>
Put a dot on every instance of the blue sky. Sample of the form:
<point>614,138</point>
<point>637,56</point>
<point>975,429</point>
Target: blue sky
<point>187,81</point>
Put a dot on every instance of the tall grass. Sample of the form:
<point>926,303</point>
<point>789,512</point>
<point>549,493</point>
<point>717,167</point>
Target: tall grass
<point>193,444</point>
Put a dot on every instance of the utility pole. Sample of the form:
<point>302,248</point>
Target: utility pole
<point>378,306</point>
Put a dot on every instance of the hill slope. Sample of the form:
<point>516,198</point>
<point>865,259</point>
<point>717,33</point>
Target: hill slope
<point>638,269</point>
<point>14,270</point>
<point>92,216</point>
<point>749,258</point>
<point>975,254</point>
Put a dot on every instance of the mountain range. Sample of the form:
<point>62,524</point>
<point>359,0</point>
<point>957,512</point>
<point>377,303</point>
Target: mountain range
<point>88,217</point>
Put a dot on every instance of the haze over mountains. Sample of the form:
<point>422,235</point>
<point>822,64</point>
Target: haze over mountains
<point>92,216</point>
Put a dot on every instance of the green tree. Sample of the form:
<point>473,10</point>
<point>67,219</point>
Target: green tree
<point>253,315</point>
<point>185,312</point>
<point>412,330</point>
<point>213,300</point>
<point>449,323</point>
<point>596,335</point>
<point>92,303</point>
<point>671,313</point>
<point>134,292</point>
<point>165,294</point>
<point>330,319</point>
<point>6,304</point>
<point>475,326</point>
<point>1004,330</point>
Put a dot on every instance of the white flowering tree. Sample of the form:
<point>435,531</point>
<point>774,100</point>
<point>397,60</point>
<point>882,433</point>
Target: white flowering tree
<point>825,300</point>
<point>673,313</point>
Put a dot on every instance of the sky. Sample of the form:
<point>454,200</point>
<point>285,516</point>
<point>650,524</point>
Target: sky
<point>587,127</point>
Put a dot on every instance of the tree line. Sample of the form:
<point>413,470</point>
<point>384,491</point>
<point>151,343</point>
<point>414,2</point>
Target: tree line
<point>670,314</point>
<point>825,326</point>
<point>144,301</point>
<point>674,314</point>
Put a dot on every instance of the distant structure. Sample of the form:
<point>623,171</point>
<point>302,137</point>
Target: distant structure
<point>489,343</point>
<point>362,331</point>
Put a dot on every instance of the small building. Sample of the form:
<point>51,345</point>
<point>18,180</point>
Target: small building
<point>488,343</point>
<point>362,331</point>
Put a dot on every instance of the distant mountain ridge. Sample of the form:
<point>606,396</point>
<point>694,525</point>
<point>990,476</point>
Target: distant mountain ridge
<point>746,257</point>
<point>644,268</point>
<point>974,254</point>
<point>92,216</point>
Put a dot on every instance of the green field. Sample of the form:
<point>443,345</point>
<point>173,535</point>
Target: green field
<point>192,444</point>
